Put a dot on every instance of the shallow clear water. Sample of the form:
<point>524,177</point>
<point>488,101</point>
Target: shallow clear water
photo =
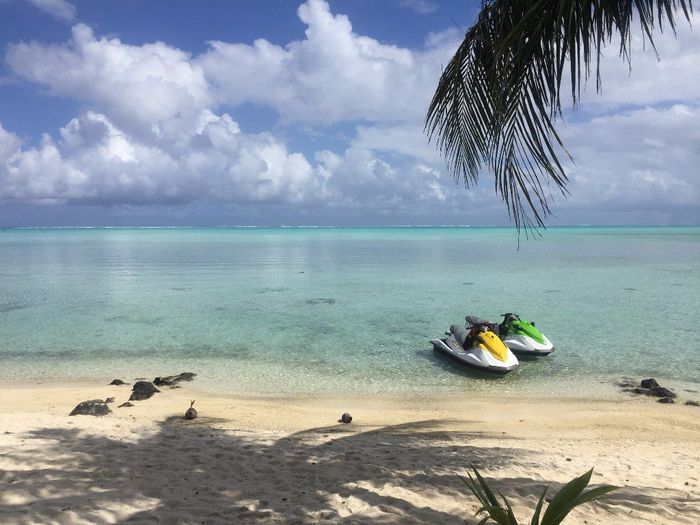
<point>335,311</point>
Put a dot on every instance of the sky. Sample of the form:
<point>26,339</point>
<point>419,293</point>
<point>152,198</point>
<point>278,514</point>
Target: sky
<point>220,113</point>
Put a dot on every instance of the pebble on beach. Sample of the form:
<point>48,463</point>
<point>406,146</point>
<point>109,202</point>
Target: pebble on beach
<point>345,418</point>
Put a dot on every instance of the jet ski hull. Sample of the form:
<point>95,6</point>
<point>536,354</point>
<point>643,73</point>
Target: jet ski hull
<point>474,358</point>
<point>526,345</point>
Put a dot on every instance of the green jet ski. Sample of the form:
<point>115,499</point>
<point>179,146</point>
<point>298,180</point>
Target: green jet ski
<point>522,337</point>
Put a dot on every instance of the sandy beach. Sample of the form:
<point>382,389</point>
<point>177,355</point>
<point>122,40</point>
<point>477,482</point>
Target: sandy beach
<point>247,460</point>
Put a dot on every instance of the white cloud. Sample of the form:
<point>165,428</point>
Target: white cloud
<point>333,75</point>
<point>9,144</point>
<point>136,85</point>
<point>402,139</point>
<point>96,162</point>
<point>152,132</point>
<point>360,179</point>
<point>93,162</point>
<point>449,39</point>
<point>422,7</point>
<point>644,160</point>
<point>61,9</point>
<point>154,127</point>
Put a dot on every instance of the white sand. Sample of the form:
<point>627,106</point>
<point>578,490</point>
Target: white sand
<point>288,461</point>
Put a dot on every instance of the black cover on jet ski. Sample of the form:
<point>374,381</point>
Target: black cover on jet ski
<point>476,321</point>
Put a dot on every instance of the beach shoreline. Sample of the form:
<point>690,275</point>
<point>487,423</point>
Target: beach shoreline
<point>593,388</point>
<point>288,460</point>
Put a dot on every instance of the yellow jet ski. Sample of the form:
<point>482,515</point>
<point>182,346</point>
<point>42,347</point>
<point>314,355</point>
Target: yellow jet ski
<point>477,346</point>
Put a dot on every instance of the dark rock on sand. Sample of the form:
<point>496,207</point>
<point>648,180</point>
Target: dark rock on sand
<point>649,387</point>
<point>191,413</point>
<point>94,407</point>
<point>118,382</point>
<point>666,400</point>
<point>660,391</point>
<point>692,403</point>
<point>345,418</point>
<point>109,400</point>
<point>172,380</point>
<point>127,404</point>
<point>649,383</point>
<point>142,390</point>
<point>637,390</point>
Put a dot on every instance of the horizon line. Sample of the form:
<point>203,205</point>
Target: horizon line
<point>332,226</point>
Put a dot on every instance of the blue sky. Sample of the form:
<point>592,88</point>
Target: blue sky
<point>272,112</point>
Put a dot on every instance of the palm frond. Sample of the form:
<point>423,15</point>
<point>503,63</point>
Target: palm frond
<point>499,96</point>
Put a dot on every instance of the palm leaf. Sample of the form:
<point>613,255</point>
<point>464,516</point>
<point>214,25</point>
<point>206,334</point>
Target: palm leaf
<point>536,516</point>
<point>489,503</point>
<point>594,494</point>
<point>570,496</point>
<point>498,98</point>
<point>481,489</point>
<point>563,501</point>
<point>509,510</point>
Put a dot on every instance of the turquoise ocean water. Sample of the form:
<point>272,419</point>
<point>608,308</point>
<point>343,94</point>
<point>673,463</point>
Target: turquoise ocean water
<point>345,311</point>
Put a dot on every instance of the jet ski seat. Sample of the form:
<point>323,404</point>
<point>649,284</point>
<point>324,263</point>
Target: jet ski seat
<point>476,321</point>
<point>461,334</point>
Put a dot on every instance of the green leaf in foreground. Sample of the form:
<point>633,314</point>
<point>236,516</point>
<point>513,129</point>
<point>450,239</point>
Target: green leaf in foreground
<point>570,496</point>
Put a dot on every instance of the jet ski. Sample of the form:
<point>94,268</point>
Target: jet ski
<point>522,337</point>
<point>477,346</point>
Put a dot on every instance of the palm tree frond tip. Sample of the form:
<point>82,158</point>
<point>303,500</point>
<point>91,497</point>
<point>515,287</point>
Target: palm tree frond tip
<point>499,96</point>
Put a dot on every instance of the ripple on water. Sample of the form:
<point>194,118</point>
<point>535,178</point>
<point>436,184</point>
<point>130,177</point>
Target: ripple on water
<point>124,318</point>
<point>268,289</point>
<point>320,300</point>
<point>10,307</point>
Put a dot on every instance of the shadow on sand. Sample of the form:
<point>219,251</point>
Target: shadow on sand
<point>196,472</point>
